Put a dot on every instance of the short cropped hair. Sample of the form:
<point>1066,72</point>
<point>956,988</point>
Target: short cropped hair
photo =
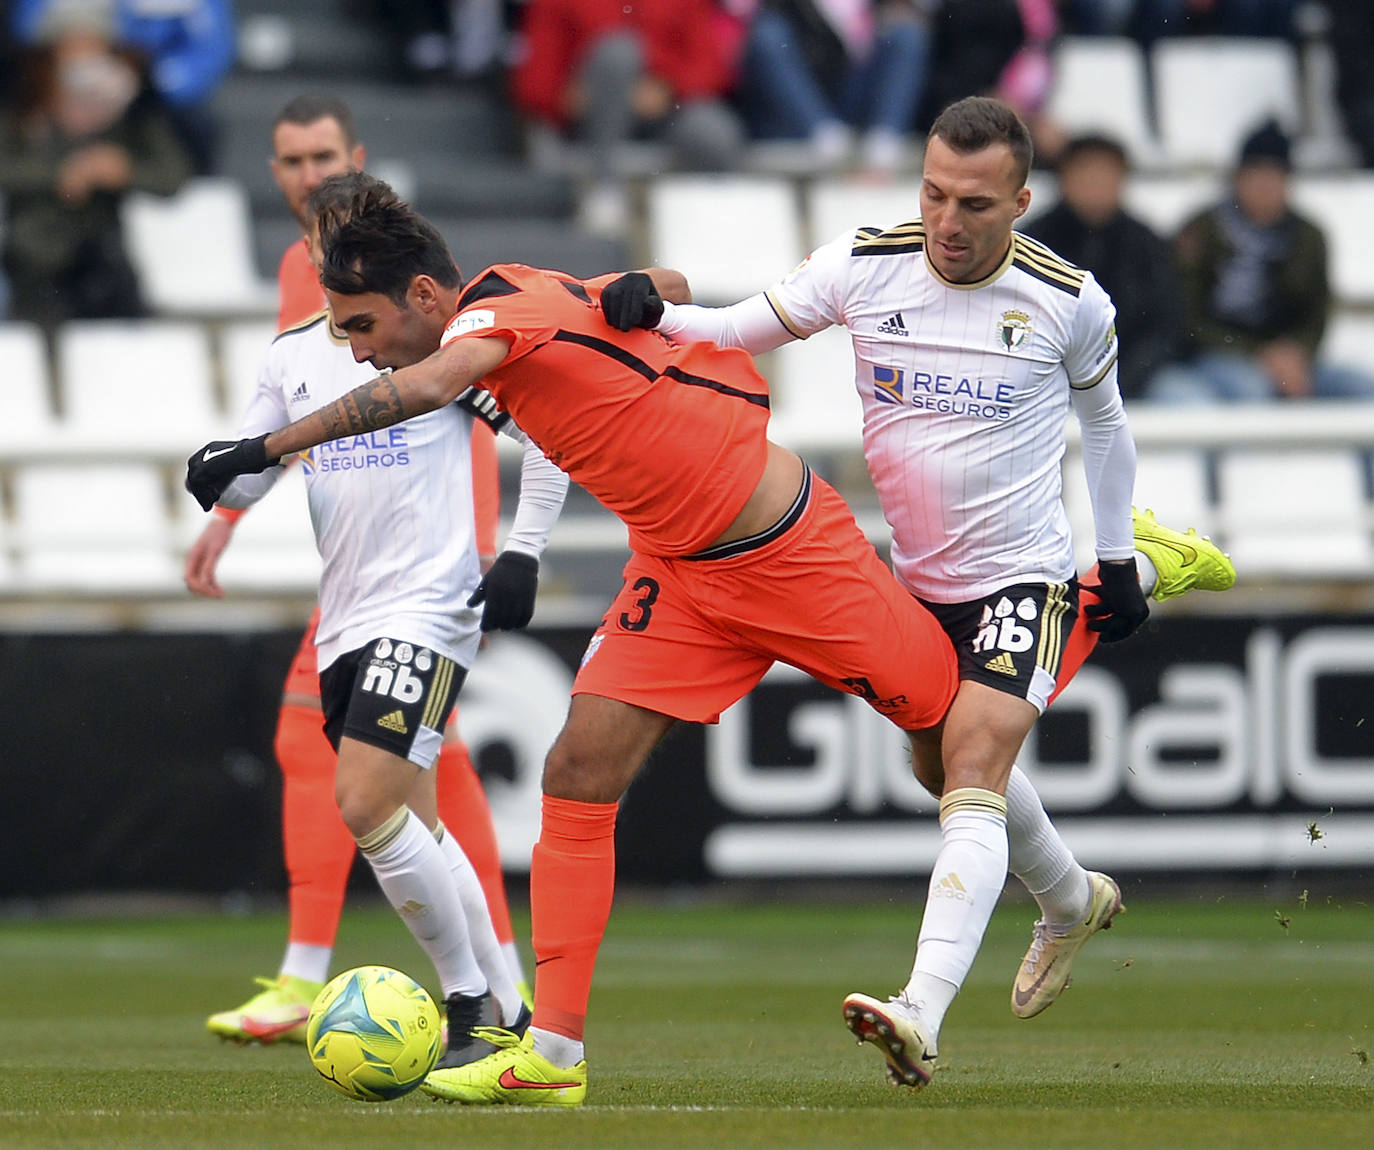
<point>310,107</point>
<point>978,122</point>
<point>382,244</point>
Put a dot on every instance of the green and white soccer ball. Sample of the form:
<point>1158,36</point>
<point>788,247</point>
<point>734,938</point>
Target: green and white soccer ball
<point>373,1033</point>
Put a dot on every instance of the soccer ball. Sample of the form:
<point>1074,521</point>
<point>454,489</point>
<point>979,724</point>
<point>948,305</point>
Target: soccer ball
<point>373,1033</point>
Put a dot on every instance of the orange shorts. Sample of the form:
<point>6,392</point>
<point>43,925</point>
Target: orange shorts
<point>689,637</point>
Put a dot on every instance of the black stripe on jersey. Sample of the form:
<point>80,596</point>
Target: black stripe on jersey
<point>635,364</point>
<point>715,385</point>
<point>576,290</point>
<point>903,239</point>
<point>1073,287</point>
<point>486,287</point>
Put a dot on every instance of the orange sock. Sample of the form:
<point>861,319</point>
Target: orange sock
<point>319,849</point>
<point>464,811</point>
<point>572,883</point>
<point>1082,642</point>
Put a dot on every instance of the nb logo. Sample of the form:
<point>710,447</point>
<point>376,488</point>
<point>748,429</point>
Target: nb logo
<point>1000,630</point>
<point>399,682</point>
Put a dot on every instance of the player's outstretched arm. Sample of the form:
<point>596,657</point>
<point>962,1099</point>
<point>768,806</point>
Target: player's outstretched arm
<point>389,398</point>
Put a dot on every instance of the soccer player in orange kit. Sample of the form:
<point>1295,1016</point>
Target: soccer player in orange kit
<point>313,138</point>
<point>741,557</point>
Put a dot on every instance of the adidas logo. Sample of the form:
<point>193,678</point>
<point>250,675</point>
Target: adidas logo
<point>301,393</point>
<point>395,721</point>
<point>893,325</point>
<point>950,887</point>
<point>1002,664</point>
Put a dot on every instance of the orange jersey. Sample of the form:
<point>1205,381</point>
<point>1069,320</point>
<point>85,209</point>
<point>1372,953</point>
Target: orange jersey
<point>299,295</point>
<point>670,437</point>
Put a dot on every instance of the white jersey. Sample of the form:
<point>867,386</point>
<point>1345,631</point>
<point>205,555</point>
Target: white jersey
<point>392,509</point>
<point>965,391</point>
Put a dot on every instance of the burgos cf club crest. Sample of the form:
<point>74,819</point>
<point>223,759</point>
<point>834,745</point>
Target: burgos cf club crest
<point>1013,330</point>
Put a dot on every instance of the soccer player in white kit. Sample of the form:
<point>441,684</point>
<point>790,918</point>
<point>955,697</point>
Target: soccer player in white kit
<point>971,344</point>
<point>403,605</point>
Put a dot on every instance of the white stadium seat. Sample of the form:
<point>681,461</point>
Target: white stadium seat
<point>815,404</point>
<point>242,348</point>
<point>28,426</point>
<point>1211,92</point>
<point>730,235</point>
<point>99,528</point>
<point>137,386</point>
<point>836,205</point>
<point>1349,340</point>
<point>1173,484</point>
<point>1343,207</point>
<point>1166,203</point>
<point>1100,86</point>
<point>194,250</point>
<point>1299,512</point>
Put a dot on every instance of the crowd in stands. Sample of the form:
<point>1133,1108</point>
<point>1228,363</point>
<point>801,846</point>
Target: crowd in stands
<point>105,97</point>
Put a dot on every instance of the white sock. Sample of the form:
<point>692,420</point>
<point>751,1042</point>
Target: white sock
<point>303,960</point>
<point>513,962</point>
<point>1040,858</point>
<point>414,875</point>
<point>481,934</point>
<point>559,1049</point>
<point>1148,575</point>
<point>965,883</point>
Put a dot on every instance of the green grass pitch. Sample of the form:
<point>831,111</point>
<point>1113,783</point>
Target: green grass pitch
<point>1196,1023</point>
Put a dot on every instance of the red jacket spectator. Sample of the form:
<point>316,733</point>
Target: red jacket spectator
<point>679,39</point>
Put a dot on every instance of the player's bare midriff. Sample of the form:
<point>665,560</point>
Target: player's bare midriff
<point>773,496</point>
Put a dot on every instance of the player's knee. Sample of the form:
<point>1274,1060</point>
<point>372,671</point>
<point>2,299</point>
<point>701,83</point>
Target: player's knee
<point>579,773</point>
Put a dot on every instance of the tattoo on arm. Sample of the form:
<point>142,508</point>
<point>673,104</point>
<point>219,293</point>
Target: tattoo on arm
<point>374,405</point>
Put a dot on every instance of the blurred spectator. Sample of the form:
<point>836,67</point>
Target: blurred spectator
<point>85,131</point>
<point>997,48</point>
<point>606,72</point>
<point>444,39</point>
<point>1090,227</point>
<point>1256,294</point>
<point>820,70</point>
<point>189,46</point>
<point>1352,43</point>
<point>1148,20</point>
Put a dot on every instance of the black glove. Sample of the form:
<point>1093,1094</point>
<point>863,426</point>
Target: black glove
<point>508,590</point>
<point>216,465</point>
<point>631,301</point>
<point>1121,607</point>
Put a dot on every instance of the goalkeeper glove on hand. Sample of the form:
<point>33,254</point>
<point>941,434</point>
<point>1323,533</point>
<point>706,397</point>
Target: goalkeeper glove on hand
<point>1121,606</point>
<point>508,591</point>
<point>216,465</point>
<point>631,301</point>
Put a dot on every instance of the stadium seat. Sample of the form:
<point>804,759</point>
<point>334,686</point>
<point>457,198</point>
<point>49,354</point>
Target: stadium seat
<point>1211,92</point>
<point>1100,86</point>
<point>835,205</point>
<point>28,426</point>
<point>1274,525</point>
<point>1165,203</point>
<point>88,527</point>
<point>1174,484</point>
<point>730,235</point>
<point>242,347</point>
<point>136,386</point>
<point>194,250</point>
<point>815,404</point>
<point>273,548</point>
<point>1343,207</point>
<point>1349,340</point>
